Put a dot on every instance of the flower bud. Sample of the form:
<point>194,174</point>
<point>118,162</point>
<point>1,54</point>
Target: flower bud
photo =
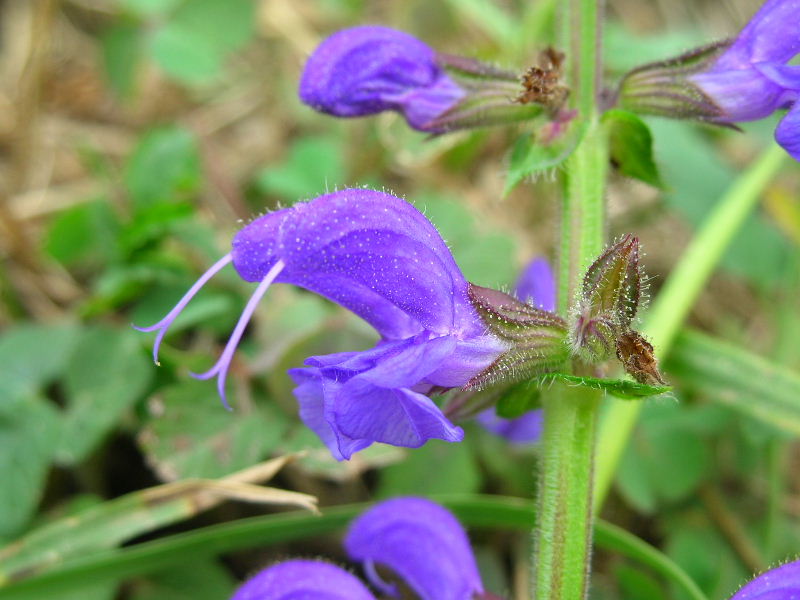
<point>609,300</point>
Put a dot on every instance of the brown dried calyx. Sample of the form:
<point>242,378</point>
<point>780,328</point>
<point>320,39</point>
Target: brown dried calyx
<point>543,83</point>
<point>636,355</point>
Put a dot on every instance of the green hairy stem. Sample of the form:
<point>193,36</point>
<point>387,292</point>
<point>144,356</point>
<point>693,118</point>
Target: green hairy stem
<point>562,538</point>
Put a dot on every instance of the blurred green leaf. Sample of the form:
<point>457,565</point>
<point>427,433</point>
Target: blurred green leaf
<point>84,233</point>
<point>196,437</point>
<point>32,356</point>
<point>29,430</point>
<point>759,252</point>
<point>637,585</point>
<point>121,54</point>
<point>697,546</point>
<point>164,167</point>
<point>150,7</point>
<point>737,378</point>
<point>435,468</point>
<point>107,373</point>
<point>486,257</point>
<point>199,580</point>
<point>313,166</point>
<point>518,400</point>
<point>631,146</point>
<point>199,35</point>
<point>666,460</point>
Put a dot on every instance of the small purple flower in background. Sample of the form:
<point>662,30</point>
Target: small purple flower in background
<point>780,583</point>
<point>746,79</point>
<point>421,542</point>
<point>366,70</point>
<point>297,579</point>
<point>379,257</point>
<point>521,430</point>
<point>370,69</point>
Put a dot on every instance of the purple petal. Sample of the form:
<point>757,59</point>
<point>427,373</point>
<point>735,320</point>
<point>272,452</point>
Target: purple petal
<point>365,397</point>
<point>369,69</point>
<point>303,580</point>
<point>771,35</point>
<point>420,541</point>
<point>522,430</point>
<point>537,285</point>
<point>742,94</point>
<point>781,583</point>
<point>787,134</point>
<point>368,251</point>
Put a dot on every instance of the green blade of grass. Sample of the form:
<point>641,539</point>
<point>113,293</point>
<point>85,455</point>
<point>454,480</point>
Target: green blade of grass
<point>473,510</point>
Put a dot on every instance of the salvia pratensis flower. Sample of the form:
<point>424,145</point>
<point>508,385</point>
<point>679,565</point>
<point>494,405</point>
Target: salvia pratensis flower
<point>379,257</point>
<point>744,79</point>
<point>780,583</point>
<point>370,69</point>
<point>422,543</point>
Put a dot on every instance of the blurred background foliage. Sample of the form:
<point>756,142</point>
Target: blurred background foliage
<point>136,136</point>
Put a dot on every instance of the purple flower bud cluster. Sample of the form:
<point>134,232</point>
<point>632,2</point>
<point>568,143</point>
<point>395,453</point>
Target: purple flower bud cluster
<point>418,540</point>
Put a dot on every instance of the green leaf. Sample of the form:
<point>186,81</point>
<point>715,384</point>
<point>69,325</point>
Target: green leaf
<point>84,233</point>
<point>196,437</point>
<point>199,580</point>
<point>164,167</point>
<point>485,255</point>
<point>759,250</point>
<point>473,511</point>
<point>200,35</point>
<point>107,373</point>
<point>667,457</point>
<point>32,356</point>
<point>529,157</point>
<point>636,585</point>
<point>621,388</point>
<point>631,146</point>
<point>738,378</point>
<point>150,7</point>
<point>435,468</point>
<point>313,166</point>
<point>121,54</point>
<point>696,545</point>
<point>28,434</point>
<point>518,400</point>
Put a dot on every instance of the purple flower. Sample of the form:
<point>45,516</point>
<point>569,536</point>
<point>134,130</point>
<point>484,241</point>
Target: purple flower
<point>520,430</point>
<point>536,286</point>
<point>418,540</point>
<point>752,79</point>
<point>780,583</point>
<point>746,79</point>
<point>297,579</point>
<point>366,70</point>
<point>382,259</point>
